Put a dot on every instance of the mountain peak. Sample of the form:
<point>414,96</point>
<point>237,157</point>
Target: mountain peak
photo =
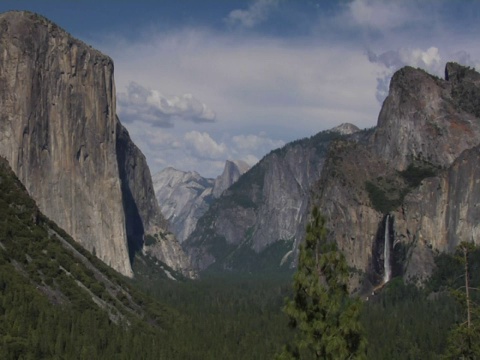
<point>425,117</point>
<point>455,72</point>
<point>232,171</point>
<point>345,129</point>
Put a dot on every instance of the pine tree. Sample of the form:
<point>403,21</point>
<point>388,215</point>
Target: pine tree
<point>324,316</point>
<point>464,339</point>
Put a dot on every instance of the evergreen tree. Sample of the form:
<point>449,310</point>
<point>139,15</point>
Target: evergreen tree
<point>464,339</point>
<point>325,317</point>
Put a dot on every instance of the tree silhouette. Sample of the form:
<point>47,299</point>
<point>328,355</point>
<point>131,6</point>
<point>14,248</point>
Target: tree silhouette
<point>324,316</point>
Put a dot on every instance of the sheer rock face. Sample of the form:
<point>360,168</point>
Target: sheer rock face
<point>424,120</point>
<point>185,196</point>
<point>427,118</point>
<point>231,172</point>
<point>143,215</point>
<point>58,130</point>
<point>441,213</point>
<point>266,206</point>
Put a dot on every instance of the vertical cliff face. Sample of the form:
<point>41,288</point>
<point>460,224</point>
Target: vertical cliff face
<point>231,172</point>
<point>58,128</point>
<point>60,134</point>
<point>441,213</point>
<point>427,118</point>
<point>416,166</point>
<point>263,212</point>
<point>143,215</point>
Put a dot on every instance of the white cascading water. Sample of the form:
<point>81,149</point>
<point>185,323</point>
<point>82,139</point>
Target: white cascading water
<point>386,253</point>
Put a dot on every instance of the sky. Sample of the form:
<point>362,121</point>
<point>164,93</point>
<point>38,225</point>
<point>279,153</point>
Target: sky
<point>202,81</point>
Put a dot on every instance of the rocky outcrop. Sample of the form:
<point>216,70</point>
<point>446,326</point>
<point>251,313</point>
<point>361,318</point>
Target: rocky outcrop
<point>345,129</point>
<point>415,173</point>
<point>185,196</point>
<point>142,213</point>
<point>265,208</point>
<point>421,118</point>
<point>231,172</point>
<point>421,130</point>
<point>441,213</point>
<point>59,132</point>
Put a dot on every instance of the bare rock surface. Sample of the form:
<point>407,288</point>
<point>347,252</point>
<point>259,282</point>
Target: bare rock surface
<point>60,134</point>
<point>185,196</point>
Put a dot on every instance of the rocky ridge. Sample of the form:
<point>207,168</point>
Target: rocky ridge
<point>415,172</point>
<point>263,212</point>
<point>185,196</point>
<point>409,169</point>
<point>61,136</point>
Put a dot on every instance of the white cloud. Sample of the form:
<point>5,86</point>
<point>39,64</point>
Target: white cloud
<point>201,145</point>
<point>265,92</point>
<point>378,15</point>
<point>140,104</point>
<point>254,143</point>
<point>430,60</point>
<point>256,13</point>
<point>270,90</point>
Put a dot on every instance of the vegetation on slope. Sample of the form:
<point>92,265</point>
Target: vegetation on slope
<point>387,193</point>
<point>58,301</point>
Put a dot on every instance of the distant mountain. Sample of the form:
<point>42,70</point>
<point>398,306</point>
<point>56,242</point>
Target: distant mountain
<point>62,138</point>
<point>185,196</point>
<point>257,222</point>
<point>393,196</point>
<point>231,172</point>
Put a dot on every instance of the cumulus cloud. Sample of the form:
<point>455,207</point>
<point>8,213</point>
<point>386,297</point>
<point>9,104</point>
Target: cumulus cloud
<point>256,13</point>
<point>140,104</point>
<point>201,145</point>
<point>428,59</point>
<point>255,143</point>
<point>392,60</point>
<point>269,90</point>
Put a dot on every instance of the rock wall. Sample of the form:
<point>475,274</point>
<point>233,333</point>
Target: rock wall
<point>143,215</point>
<point>60,134</point>
<point>266,206</point>
<point>58,129</point>
<point>441,213</point>
<point>185,196</point>
<point>421,118</point>
<point>424,122</point>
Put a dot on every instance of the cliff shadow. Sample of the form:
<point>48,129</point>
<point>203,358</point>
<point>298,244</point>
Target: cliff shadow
<point>133,221</point>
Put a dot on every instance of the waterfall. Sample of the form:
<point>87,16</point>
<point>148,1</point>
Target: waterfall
<point>386,253</point>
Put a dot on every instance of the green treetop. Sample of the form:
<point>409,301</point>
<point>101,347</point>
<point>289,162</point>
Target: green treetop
<point>324,316</point>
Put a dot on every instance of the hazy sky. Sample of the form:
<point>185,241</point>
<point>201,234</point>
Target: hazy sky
<point>202,81</point>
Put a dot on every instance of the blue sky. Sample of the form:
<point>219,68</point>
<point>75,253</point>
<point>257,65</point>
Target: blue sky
<point>199,82</point>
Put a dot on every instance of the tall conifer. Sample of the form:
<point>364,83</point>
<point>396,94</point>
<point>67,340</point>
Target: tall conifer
<point>324,316</point>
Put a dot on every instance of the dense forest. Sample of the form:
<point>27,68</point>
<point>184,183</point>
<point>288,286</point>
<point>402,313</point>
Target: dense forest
<point>59,301</point>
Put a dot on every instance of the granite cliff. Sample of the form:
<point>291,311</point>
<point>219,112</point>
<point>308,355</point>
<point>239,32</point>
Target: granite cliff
<point>60,134</point>
<point>409,170</point>
<point>409,184</point>
<point>257,220</point>
<point>185,196</point>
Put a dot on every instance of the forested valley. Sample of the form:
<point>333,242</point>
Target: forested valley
<point>59,301</point>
